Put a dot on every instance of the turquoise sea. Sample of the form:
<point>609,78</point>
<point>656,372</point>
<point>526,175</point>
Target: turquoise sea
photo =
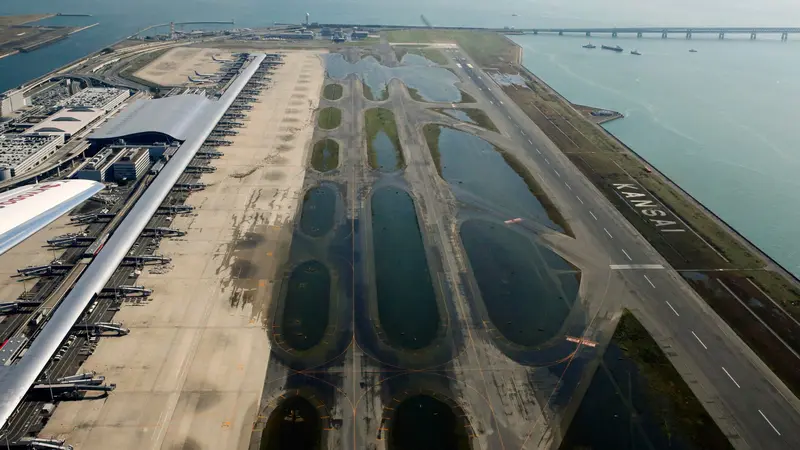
<point>720,122</point>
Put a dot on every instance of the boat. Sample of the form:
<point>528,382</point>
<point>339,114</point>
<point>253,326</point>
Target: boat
<point>692,50</point>
<point>614,49</point>
<point>635,52</point>
<point>589,45</point>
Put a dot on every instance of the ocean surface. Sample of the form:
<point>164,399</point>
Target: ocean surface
<point>720,122</point>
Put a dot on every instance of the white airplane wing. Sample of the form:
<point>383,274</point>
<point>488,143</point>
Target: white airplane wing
<point>26,210</point>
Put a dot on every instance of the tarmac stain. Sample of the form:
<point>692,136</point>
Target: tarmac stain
<point>305,314</point>
<point>243,269</point>
<point>294,425</point>
<point>407,308</point>
<point>275,175</point>
<point>249,241</point>
<point>526,299</point>
<point>425,423</point>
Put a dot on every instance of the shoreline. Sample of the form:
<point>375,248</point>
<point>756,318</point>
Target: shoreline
<point>749,245</point>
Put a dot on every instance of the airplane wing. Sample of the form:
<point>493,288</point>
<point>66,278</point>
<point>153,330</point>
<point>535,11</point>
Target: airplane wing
<point>26,210</point>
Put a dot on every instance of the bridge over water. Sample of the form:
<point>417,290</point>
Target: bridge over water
<point>784,32</point>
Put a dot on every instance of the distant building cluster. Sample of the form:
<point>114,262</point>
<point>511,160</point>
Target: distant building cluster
<point>36,136</point>
<point>341,35</point>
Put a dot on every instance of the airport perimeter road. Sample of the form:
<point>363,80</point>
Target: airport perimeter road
<point>752,406</point>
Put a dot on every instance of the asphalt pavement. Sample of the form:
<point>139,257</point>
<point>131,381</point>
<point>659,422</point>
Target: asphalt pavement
<point>750,403</point>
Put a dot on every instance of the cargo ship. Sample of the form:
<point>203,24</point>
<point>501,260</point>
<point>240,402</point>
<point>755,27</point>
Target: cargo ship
<point>614,49</point>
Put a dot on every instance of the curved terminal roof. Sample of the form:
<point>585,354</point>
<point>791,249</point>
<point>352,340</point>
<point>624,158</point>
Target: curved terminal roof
<point>177,117</point>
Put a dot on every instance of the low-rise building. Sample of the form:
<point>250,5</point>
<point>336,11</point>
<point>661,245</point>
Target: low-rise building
<point>20,153</point>
<point>133,163</point>
<point>99,168</point>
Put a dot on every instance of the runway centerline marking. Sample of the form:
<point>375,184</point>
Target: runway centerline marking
<point>557,174</point>
<point>673,309</point>
<point>579,199</point>
<point>568,186</point>
<point>593,216</point>
<point>626,254</point>
<point>651,283</point>
<point>729,376</point>
<point>547,161</point>
<point>635,266</point>
<point>609,234</point>
<point>698,340</point>
<point>537,150</point>
<point>770,423</point>
<point>530,142</point>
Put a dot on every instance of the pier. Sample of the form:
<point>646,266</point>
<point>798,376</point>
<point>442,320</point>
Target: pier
<point>687,32</point>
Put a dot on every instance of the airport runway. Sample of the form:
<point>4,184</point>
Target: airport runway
<point>739,391</point>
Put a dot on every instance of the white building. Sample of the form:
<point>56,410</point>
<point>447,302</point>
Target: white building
<point>132,165</point>
<point>101,98</point>
<point>11,101</point>
<point>99,168</point>
<point>69,121</point>
<point>20,153</point>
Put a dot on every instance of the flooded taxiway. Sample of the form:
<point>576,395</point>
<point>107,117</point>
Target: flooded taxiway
<point>406,299</point>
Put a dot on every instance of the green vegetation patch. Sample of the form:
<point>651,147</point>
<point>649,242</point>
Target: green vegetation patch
<point>369,95</point>
<point>432,132</point>
<point>325,155</point>
<point>487,48</point>
<point>333,91</point>
<point>668,392</point>
<point>431,54</point>
<point>329,118</point>
<point>475,115</point>
<point>379,120</point>
<point>466,98</point>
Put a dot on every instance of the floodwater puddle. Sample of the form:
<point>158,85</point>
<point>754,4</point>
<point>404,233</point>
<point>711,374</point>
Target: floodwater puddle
<point>432,83</point>
<point>319,206</point>
<point>486,177</point>
<point>523,287</point>
<point>306,306</point>
<point>407,308</point>
<point>637,399</point>
<point>325,155</point>
<point>294,425</point>
<point>460,115</point>
<point>386,154</point>
<point>422,422</point>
